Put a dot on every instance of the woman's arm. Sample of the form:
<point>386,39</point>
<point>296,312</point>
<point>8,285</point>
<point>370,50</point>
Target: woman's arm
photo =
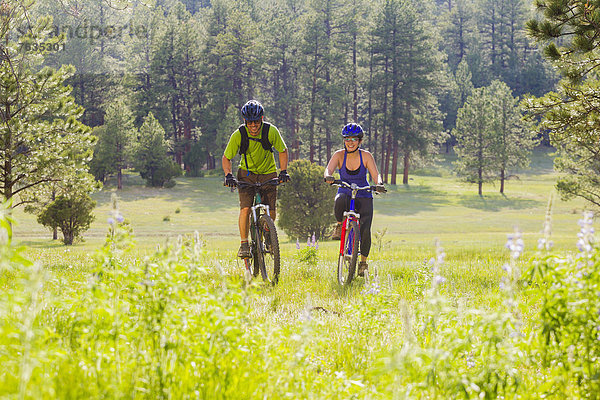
<point>332,164</point>
<point>372,168</point>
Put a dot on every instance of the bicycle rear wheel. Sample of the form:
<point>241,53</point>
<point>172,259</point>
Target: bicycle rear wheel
<point>268,249</point>
<point>349,254</point>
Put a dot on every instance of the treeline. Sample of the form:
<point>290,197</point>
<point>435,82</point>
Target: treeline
<point>398,67</point>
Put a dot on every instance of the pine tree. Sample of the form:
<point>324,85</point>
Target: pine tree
<point>570,114</point>
<point>513,136</point>
<point>115,138</point>
<point>174,91</point>
<point>476,142</point>
<point>150,156</point>
<point>93,44</point>
<point>230,70</point>
<point>407,63</point>
<point>324,73</point>
<point>41,138</point>
<point>458,30</point>
<point>280,81</point>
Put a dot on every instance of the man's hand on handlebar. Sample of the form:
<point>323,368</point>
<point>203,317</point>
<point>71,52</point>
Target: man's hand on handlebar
<point>380,188</point>
<point>329,179</point>
<point>284,176</point>
<point>230,181</point>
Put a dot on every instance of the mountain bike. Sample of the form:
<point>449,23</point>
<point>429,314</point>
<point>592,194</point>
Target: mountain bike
<point>264,243</point>
<point>350,240</point>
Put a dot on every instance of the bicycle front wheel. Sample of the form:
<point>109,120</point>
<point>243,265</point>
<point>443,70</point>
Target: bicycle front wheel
<point>349,254</point>
<point>268,249</point>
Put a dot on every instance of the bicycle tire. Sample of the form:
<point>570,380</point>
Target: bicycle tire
<point>269,259</point>
<point>349,255</point>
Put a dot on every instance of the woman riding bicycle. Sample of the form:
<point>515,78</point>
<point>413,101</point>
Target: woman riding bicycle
<point>353,164</point>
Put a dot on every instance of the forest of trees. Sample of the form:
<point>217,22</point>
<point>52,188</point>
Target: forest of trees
<point>401,68</point>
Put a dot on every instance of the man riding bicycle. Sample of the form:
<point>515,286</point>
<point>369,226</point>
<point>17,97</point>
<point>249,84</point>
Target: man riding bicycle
<point>353,164</point>
<point>254,141</point>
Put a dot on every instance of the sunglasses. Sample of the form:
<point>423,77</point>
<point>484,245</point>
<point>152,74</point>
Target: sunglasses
<point>253,122</point>
<point>351,139</point>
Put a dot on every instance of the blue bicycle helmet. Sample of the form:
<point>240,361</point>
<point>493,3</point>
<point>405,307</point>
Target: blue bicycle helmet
<point>353,129</point>
<point>252,110</point>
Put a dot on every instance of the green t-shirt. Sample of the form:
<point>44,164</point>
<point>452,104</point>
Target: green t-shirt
<point>260,161</point>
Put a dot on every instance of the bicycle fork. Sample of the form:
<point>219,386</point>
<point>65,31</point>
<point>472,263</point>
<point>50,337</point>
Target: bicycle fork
<point>348,216</point>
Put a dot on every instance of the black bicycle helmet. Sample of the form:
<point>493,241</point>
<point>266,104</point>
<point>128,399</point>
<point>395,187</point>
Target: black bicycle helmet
<point>353,129</point>
<point>252,110</point>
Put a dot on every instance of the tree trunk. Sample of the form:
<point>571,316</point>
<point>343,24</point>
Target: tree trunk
<point>383,167</point>
<point>384,125</point>
<point>388,153</point>
<point>178,152</point>
<point>313,99</point>
<point>55,229</point>
<point>320,149</point>
<point>120,179</point>
<point>68,238</point>
<point>210,160</point>
<point>187,130</point>
<point>369,126</point>
<point>394,162</point>
<point>354,75</point>
<point>328,141</point>
<point>502,181</point>
<point>480,180</point>
<point>406,168</point>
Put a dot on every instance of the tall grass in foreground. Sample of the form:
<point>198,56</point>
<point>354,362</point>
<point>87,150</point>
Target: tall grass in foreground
<point>172,325</point>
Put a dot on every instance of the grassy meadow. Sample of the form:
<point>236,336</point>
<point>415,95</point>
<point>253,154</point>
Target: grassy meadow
<point>435,205</point>
<point>162,313</point>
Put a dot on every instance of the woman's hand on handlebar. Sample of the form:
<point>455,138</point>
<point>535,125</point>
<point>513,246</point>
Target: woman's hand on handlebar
<point>380,188</point>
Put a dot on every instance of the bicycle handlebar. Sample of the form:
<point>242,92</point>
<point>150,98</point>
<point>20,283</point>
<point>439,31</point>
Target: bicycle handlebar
<point>273,181</point>
<point>354,186</point>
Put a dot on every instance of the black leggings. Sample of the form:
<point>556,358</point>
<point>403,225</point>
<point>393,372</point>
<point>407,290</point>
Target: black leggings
<point>364,206</point>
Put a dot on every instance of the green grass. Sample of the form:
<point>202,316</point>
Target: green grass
<point>471,229</point>
<point>433,207</point>
<point>429,207</point>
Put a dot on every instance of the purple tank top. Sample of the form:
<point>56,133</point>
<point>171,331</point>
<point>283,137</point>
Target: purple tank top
<point>360,178</point>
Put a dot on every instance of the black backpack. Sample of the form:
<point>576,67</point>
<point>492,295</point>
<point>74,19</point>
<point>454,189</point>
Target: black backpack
<point>264,139</point>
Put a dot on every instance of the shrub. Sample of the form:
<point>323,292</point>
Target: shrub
<point>72,215</point>
<point>308,255</point>
<point>306,203</point>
